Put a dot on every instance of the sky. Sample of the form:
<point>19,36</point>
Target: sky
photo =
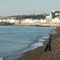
<point>24,7</point>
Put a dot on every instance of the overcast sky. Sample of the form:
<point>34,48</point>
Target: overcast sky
<point>22,7</point>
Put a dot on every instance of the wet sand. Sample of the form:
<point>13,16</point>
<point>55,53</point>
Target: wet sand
<point>39,54</point>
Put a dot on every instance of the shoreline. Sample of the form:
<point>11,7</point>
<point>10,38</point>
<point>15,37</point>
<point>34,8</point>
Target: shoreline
<point>38,25</point>
<point>39,54</point>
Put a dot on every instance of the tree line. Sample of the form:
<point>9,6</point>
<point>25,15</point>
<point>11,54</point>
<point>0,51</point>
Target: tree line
<point>41,16</point>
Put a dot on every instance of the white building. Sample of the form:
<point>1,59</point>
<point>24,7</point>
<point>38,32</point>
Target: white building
<point>43,21</point>
<point>30,21</point>
<point>0,20</point>
<point>55,17</point>
<point>49,19</point>
<point>56,20</point>
<point>9,21</point>
<point>17,21</point>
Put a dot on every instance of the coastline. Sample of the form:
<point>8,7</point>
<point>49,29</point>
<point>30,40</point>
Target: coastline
<point>39,54</point>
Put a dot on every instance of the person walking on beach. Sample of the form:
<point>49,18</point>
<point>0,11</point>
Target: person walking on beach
<point>48,46</point>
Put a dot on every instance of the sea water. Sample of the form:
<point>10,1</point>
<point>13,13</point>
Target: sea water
<point>15,40</point>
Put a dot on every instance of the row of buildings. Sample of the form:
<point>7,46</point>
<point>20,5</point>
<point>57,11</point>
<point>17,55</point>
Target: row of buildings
<point>53,17</point>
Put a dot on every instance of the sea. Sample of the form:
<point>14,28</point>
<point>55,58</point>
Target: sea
<point>15,40</point>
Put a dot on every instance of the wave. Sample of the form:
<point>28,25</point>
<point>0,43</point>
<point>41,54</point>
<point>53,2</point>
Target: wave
<point>40,41</point>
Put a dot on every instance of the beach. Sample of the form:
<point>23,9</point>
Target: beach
<point>39,54</point>
<point>42,24</point>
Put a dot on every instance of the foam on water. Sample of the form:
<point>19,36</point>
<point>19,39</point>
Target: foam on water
<point>37,45</point>
<point>39,42</point>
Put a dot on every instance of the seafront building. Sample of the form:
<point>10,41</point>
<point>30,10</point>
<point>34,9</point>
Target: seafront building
<point>54,17</point>
<point>30,21</point>
<point>42,21</point>
<point>9,21</point>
